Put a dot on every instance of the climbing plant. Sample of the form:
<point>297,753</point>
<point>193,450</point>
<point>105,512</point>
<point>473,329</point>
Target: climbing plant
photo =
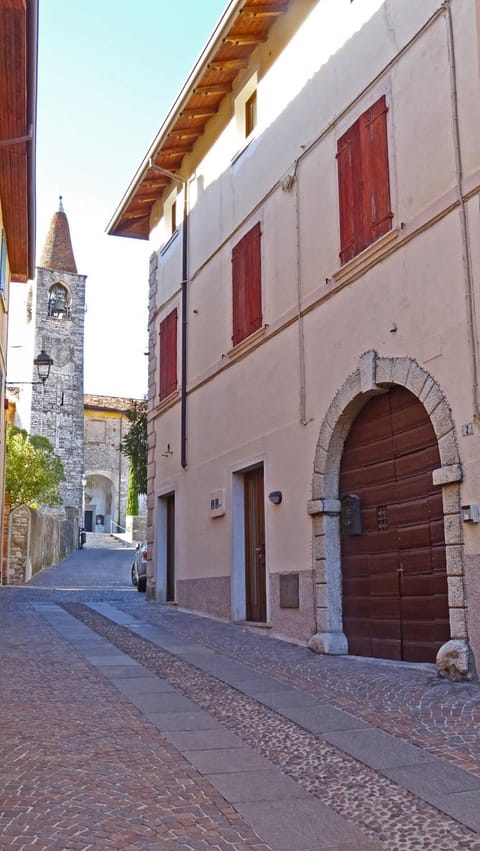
<point>134,446</point>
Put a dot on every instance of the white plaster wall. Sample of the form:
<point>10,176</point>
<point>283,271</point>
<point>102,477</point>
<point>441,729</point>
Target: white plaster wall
<point>251,409</point>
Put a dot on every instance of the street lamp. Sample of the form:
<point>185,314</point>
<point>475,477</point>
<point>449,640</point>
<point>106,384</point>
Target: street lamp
<point>43,362</point>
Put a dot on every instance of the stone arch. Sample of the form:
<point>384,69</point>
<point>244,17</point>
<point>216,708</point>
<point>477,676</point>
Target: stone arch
<point>376,375</point>
<point>99,496</point>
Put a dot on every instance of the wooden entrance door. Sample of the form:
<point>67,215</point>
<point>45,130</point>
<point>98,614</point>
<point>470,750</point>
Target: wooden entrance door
<point>395,598</point>
<point>255,578</point>
<point>170,547</point>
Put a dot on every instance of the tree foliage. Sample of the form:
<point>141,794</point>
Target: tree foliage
<point>134,444</point>
<point>33,472</point>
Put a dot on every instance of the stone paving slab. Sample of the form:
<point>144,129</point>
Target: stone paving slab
<point>323,718</point>
<point>197,720</point>
<point>254,683</point>
<point>227,760</point>
<point>166,702</point>
<point>142,685</point>
<point>463,806</point>
<point>303,825</point>
<point>377,749</point>
<point>110,659</point>
<point>283,698</point>
<point>434,779</point>
<point>259,785</point>
<point>200,740</point>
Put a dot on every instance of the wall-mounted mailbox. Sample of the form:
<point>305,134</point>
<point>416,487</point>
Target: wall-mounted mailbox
<point>351,519</point>
<point>470,514</point>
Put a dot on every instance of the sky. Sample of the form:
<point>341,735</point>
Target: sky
<point>108,72</point>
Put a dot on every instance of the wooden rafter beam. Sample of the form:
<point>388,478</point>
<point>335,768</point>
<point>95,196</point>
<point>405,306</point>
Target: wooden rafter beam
<point>228,64</point>
<point>199,111</point>
<point>265,11</point>
<point>183,134</point>
<point>214,89</point>
<point>244,39</point>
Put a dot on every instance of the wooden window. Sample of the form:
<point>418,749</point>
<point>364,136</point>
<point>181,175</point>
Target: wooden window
<point>247,285</point>
<point>168,354</point>
<point>3,263</point>
<point>173,217</point>
<point>251,114</point>
<point>363,182</point>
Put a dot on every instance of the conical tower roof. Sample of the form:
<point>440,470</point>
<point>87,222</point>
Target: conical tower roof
<point>58,252</point>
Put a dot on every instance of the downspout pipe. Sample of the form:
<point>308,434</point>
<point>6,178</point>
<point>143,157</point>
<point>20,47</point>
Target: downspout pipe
<point>183,401</point>
<point>467,260</point>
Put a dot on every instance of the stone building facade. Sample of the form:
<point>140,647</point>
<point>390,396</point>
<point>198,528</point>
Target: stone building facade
<point>106,469</point>
<point>58,316</point>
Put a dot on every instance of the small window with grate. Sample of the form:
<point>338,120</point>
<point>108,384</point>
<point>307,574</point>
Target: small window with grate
<point>382,518</point>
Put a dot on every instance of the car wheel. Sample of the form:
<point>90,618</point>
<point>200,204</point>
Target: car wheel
<point>134,575</point>
<point>142,584</point>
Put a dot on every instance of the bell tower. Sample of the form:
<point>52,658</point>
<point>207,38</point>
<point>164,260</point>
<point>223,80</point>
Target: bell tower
<point>59,321</point>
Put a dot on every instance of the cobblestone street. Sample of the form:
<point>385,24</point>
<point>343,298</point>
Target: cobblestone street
<point>130,725</point>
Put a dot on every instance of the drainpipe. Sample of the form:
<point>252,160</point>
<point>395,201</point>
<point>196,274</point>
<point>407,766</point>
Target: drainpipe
<point>301,336</point>
<point>119,471</point>
<point>467,261</point>
<point>183,414</point>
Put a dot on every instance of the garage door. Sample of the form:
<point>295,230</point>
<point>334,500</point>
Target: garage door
<point>395,602</point>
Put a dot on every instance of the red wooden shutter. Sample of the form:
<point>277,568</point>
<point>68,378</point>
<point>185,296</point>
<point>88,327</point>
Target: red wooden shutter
<point>254,279</point>
<point>247,285</point>
<point>238,293</point>
<point>168,354</point>
<point>377,215</point>
<point>350,193</point>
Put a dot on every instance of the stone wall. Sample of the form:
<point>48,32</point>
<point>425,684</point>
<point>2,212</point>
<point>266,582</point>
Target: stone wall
<point>37,540</point>
<point>136,527</point>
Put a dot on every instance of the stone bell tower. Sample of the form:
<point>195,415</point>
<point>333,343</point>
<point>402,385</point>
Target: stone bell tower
<point>59,319</point>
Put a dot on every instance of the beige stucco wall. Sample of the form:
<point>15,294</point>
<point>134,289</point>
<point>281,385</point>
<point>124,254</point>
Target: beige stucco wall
<point>407,299</point>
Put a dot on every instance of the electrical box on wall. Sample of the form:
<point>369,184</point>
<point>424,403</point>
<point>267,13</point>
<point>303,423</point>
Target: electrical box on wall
<point>217,503</point>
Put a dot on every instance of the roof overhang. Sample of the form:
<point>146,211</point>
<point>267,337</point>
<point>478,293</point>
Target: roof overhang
<point>18,110</point>
<point>243,26</point>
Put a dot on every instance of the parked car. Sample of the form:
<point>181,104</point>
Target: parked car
<point>139,567</point>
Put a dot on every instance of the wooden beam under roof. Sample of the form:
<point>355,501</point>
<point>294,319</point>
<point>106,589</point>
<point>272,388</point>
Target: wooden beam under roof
<point>184,134</point>
<point>267,10</point>
<point>199,111</point>
<point>244,38</point>
<point>213,89</point>
<point>228,65</point>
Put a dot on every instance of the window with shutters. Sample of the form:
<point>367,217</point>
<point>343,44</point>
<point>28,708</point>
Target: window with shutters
<point>168,355</point>
<point>363,182</point>
<point>247,285</point>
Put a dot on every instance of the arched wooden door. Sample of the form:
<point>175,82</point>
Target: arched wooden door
<point>395,599</point>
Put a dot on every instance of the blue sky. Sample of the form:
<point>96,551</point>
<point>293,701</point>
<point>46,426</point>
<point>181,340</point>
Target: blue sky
<point>108,73</point>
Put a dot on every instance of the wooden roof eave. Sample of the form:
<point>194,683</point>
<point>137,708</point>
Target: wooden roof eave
<point>223,33</point>
<point>19,188</point>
